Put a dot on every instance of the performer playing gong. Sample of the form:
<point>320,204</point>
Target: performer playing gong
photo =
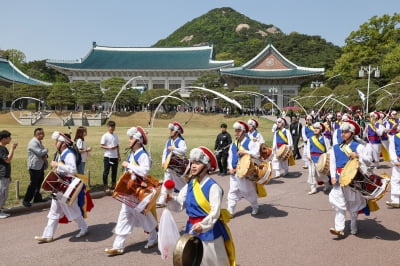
<point>65,165</point>
<point>282,136</point>
<point>175,149</point>
<point>241,187</point>
<point>138,164</point>
<point>202,198</point>
<point>346,198</point>
<point>318,144</point>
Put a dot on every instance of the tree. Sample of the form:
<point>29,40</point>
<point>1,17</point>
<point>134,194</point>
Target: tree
<point>60,95</point>
<point>15,56</point>
<point>374,43</point>
<point>86,93</point>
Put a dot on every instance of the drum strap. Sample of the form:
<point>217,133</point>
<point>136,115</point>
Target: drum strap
<point>224,217</point>
<point>346,149</point>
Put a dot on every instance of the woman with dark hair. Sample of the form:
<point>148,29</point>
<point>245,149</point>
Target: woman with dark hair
<point>79,140</point>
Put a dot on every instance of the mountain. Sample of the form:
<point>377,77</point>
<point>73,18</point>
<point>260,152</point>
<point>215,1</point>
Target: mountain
<point>236,36</point>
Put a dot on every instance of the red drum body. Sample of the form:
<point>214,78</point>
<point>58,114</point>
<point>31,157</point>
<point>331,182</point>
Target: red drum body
<point>138,193</point>
<point>371,187</point>
<point>65,188</point>
<point>180,165</point>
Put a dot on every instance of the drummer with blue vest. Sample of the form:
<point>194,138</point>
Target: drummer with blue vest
<point>202,199</point>
<point>318,144</point>
<point>253,133</point>
<point>346,198</point>
<point>281,137</point>
<point>374,132</point>
<point>138,164</point>
<point>175,146</point>
<point>60,212</point>
<point>241,187</point>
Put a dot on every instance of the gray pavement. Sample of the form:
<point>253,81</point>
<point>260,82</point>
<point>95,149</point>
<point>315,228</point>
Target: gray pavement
<point>292,228</point>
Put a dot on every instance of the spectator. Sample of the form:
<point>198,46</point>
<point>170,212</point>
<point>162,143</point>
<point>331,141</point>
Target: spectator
<point>37,163</point>
<point>80,142</point>
<point>5,168</point>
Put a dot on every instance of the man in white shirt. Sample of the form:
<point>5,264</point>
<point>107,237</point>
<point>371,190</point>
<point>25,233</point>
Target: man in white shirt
<point>110,143</point>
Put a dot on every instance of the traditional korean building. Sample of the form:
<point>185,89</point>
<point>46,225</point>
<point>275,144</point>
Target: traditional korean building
<point>10,74</point>
<point>274,75</point>
<point>168,68</point>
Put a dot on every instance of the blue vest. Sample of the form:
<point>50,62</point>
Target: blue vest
<point>194,210</point>
<point>315,149</point>
<point>175,143</point>
<point>235,149</point>
<point>340,155</point>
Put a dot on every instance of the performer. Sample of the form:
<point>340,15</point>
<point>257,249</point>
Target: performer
<point>138,164</point>
<point>392,127</point>
<point>65,165</point>
<point>175,146</point>
<point>328,127</point>
<point>375,131</point>
<point>337,135</point>
<point>318,144</point>
<point>221,147</point>
<point>202,198</point>
<point>346,198</point>
<point>281,136</point>
<point>306,133</point>
<point>241,187</point>
<point>395,179</point>
<point>253,134</point>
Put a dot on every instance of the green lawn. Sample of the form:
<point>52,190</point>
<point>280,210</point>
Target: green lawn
<point>201,129</point>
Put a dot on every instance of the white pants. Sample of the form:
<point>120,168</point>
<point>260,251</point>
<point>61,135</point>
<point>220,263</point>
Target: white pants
<point>342,199</point>
<point>314,176</point>
<point>238,188</point>
<point>128,219</point>
<point>395,185</point>
<point>281,167</point>
<point>57,211</point>
<point>376,153</point>
<point>180,182</point>
<point>215,253</point>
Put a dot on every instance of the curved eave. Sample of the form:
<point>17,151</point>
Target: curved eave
<point>281,74</point>
<point>211,67</point>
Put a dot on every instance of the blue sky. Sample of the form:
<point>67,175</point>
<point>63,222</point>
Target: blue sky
<point>65,30</point>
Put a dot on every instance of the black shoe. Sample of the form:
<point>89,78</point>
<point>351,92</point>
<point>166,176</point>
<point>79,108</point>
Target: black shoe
<point>26,204</point>
<point>41,200</point>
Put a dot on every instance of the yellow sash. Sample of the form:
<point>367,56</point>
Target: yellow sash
<point>224,217</point>
<point>319,145</point>
<point>385,154</point>
<point>283,136</point>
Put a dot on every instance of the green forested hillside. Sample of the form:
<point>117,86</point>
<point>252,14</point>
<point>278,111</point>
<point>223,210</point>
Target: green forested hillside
<point>240,38</point>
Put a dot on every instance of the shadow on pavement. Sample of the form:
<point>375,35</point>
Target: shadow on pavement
<point>293,175</point>
<point>370,228</point>
<point>265,211</point>
<point>97,233</point>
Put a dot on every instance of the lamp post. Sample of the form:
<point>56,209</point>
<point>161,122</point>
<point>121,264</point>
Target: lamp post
<point>369,71</point>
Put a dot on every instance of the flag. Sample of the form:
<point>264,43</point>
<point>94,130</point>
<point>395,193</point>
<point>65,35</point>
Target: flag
<point>361,94</point>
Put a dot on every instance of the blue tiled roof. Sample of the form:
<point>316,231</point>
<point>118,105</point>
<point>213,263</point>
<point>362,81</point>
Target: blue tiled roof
<point>11,73</point>
<point>114,58</point>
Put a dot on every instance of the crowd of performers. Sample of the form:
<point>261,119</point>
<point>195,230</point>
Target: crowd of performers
<point>337,138</point>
